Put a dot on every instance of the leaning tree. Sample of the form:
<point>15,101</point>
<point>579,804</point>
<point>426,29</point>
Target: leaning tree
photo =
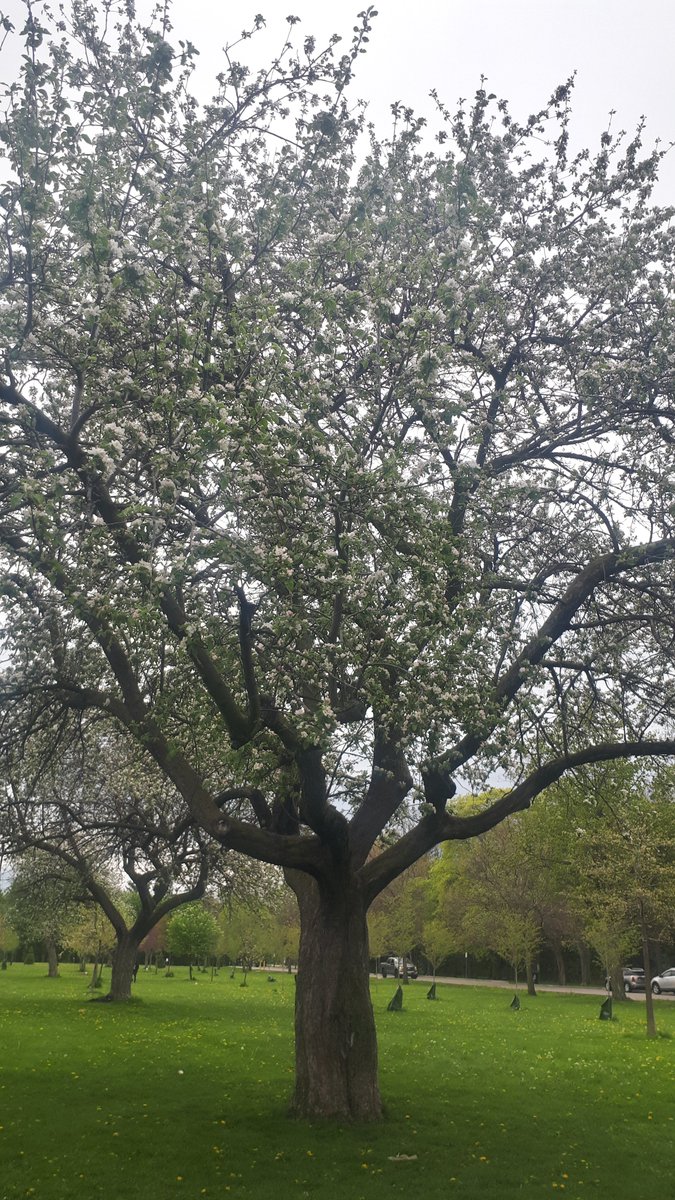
<point>352,455</point>
<point>80,799</point>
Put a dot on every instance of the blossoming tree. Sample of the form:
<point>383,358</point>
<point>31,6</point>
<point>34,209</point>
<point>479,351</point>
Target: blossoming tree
<point>116,827</point>
<point>336,470</point>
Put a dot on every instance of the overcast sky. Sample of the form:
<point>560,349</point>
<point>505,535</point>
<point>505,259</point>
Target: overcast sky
<point>622,53</point>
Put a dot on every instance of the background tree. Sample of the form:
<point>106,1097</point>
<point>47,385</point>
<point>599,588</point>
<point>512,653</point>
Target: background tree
<point>627,861</point>
<point>511,933</point>
<point>90,805</point>
<point>331,483</point>
<point>379,938</point>
<point>90,935</point>
<point>43,900</point>
<point>439,940</point>
<point>155,943</point>
<point>9,940</point>
<point>284,939</point>
<point>247,933</point>
<point>397,916</point>
<point>192,933</point>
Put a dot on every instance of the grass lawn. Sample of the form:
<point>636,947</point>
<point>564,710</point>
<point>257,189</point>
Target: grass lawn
<point>181,1095</point>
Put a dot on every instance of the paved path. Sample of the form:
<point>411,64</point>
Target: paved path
<point>459,980</point>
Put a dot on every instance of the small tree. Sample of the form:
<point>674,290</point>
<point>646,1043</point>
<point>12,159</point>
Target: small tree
<point>627,859</point>
<point>499,889</point>
<point>43,901</point>
<point>192,933</point>
<point>86,802</point>
<point>284,937</point>
<point>513,935</point>
<point>439,940</point>
<point>89,935</point>
<point>397,916</point>
<point>246,931</point>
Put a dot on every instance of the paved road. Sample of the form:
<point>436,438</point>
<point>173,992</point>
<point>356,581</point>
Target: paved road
<point>459,980</point>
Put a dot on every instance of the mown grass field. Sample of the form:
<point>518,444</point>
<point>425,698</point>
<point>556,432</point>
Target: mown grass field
<point>181,1095</point>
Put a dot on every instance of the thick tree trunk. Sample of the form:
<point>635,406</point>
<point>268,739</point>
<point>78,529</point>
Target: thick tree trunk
<point>52,958</point>
<point>123,963</point>
<point>529,973</point>
<point>335,1040</point>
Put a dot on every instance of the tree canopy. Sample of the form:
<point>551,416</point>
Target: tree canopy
<point>337,470</point>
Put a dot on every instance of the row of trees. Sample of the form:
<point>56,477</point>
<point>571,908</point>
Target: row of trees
<point>46,909</point>
<point>590,870</point>
<point>336,470</point>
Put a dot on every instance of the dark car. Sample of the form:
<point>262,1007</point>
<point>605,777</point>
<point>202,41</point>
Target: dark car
<point>393,967</point>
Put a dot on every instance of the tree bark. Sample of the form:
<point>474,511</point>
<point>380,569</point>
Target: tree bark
<point>616,976</point>
<point>529,974</point>
<point>652,1031</point>
<point>123,963</point>
<point>52,958</point>
<point>335,1041</point>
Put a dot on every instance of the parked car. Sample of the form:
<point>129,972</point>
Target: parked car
<point>664,982</point>
<point>633,979</point>
<point>393,966</point>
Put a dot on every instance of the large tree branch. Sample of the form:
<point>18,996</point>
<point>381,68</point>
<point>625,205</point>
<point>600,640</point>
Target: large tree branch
<point>29,839</point>
<point>390,782</point>
<point>446,826</point>
<point>246,614</point>
<point>599,571</point>
<point>132,552</point>
<point>315,810</point>
<point>239,728</point>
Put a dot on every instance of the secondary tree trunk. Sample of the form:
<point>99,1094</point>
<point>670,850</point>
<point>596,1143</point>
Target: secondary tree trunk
<point>123,963</point>
<point>584,952</point>
<point>335,1040</point>
<point>652,1031</point>
<point>52,958</point>
<point>559,962</point>
<point>616,976</point>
